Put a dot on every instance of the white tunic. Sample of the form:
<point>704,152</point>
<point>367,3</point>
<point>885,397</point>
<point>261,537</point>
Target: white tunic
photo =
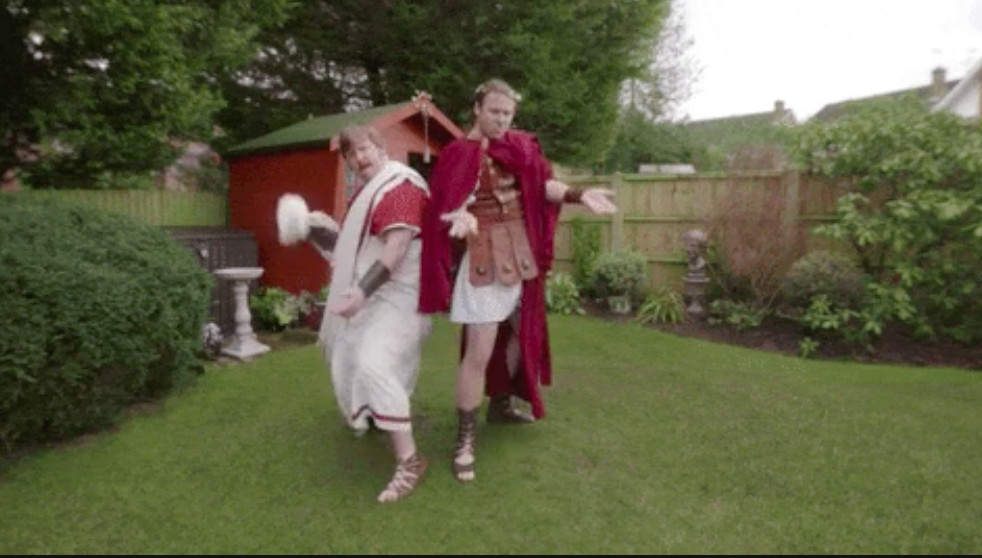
<point>489,303</point>
<point>374,357</point>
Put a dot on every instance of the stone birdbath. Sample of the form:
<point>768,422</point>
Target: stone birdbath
<point>244,345</point>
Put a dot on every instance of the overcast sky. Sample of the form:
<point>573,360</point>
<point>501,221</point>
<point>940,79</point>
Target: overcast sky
<point>808,53</point>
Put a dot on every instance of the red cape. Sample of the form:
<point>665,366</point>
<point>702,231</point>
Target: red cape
<point>452,180</point>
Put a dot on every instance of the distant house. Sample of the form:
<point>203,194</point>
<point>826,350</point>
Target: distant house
<point>729,139</point>
<point>965,98</point>
<point>939,87</point>
<point>303,159</point>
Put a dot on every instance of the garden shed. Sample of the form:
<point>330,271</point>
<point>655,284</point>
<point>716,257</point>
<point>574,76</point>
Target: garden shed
<point>304,159</point>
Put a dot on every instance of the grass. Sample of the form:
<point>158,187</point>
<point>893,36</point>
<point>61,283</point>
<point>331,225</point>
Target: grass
<point>653,444</point>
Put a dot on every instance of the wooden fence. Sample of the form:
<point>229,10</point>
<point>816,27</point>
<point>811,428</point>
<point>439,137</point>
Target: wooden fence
<point>655,210</point>
<point>155,207</point>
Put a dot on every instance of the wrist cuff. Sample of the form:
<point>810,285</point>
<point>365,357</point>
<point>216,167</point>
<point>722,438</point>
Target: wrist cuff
<point>323,238</point>
<point>375,277</point>
<point>573,195</point>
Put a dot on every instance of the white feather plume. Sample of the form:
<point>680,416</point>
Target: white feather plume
<point>292,219</point>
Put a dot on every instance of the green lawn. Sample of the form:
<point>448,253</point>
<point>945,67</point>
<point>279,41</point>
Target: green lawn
<point>652,445</point>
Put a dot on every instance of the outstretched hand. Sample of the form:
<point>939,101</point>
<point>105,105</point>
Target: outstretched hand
<point>462,223</point>
<point>598,201</point>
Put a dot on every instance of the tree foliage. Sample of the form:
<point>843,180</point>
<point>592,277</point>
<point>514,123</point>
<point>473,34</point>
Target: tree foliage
<point>913,213</point>
<point>638,140</point>
<point>111,87</point>
<point>567,59</point>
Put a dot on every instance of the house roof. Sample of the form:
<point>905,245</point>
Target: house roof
<point>926,93</point>
<point>973,76</point>
<point>321,130</point>
<point>741,128</point>
<point>738,122</point>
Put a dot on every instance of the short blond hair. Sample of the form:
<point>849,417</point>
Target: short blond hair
<point>495,85</point>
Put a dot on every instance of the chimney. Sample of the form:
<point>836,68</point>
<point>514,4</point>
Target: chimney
<point>938,88</point>
<point>779,113</point>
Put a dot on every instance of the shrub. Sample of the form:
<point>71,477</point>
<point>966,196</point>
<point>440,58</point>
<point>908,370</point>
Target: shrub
<point>825,319</point>
<point>586,248</point>
<point>311,307</point>
<point>98,311</point>
<point>744,263</point>
<point>562,294</point>
<point>274,309</point>
<point>824,273</point>
<point>741,315</point>
<point>807,347</point>
<point>912,211</point>
<point>618,273</point>
<point>664,306</point>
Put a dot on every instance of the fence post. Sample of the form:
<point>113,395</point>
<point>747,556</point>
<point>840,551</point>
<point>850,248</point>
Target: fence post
<point>617,219</point>
<point>791,180</point>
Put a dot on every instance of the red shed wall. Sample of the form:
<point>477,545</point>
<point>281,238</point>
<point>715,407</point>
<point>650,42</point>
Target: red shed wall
<point>255,185</point>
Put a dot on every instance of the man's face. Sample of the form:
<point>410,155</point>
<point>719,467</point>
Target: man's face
<point>494,115</point>
<point>365,159</point>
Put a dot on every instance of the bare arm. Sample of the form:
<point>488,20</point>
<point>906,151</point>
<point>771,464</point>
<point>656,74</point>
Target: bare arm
<point>395,246</point>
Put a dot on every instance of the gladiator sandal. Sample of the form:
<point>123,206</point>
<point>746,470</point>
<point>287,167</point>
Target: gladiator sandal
<point>463,457</point>
<point>500,410</point>
<point>408,474</point>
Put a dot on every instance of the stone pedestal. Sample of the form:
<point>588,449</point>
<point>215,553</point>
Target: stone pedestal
<point>695,280</point>
<point>695,290</point>
<point>243,345</point>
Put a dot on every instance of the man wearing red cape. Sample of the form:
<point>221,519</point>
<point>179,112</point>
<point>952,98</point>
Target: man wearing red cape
<point>487,248</point>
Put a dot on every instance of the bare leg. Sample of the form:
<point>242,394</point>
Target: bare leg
<point>410,468</point>
<point>403,444</point>
<point>470,374</point>
<point>469,393</point>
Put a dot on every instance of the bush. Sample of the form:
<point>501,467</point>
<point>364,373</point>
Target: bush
<point>664,306</point>
<point>311,307</point>
<point>618,273</point>
<point>912,211</point>
<point>98,311</point>
<point>742,262</point>
<point>824,273</point>
<point>586,248</point>
<point>274,309</point>
<point>741,315</point>
<point>562,294</point>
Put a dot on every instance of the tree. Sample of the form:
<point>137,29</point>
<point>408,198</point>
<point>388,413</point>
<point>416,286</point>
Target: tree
<point>642,141</point>
<point>96,89</point>
<point>645,132</point>
<point>668,79</point>
<point>568,60</point>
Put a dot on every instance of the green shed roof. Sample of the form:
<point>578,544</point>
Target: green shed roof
<point>311,132</point>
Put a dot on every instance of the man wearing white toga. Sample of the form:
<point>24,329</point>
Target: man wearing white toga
<point>372,333</point>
